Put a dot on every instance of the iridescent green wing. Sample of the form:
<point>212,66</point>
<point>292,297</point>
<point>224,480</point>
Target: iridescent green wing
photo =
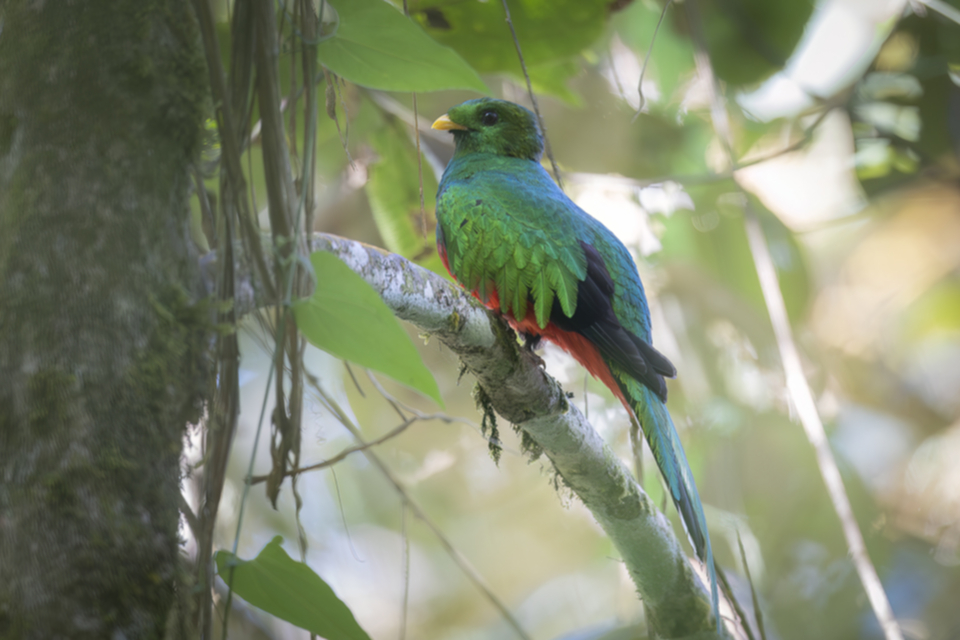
<point>502,233</point>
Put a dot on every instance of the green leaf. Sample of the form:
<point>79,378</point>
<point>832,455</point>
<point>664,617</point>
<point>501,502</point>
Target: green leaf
<point>347,318</point>
<point>289,590</point>
<point>393,190</point>
<point>548,31</point>
<point>749,40</point>
<point>378,47</point>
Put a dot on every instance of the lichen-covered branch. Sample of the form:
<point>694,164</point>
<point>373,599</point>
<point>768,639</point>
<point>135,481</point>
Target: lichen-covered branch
<point>523,393</point>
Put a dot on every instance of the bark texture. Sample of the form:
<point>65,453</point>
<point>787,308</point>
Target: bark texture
<point>101,334</point>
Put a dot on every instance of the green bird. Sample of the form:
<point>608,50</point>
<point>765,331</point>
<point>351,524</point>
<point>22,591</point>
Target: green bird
<point>513,239</point>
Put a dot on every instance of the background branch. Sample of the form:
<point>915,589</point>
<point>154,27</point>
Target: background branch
<point>797,385</point>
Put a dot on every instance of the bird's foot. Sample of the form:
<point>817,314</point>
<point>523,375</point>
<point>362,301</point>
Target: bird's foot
<point>531,342</point>
<point>537,360</point>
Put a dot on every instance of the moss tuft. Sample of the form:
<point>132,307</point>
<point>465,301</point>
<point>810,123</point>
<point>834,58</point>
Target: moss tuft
<point>488,425</point>
<point>528,445</point>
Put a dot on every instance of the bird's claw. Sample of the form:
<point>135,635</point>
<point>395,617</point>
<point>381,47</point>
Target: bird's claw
<point>537,360</point>
<point>531,342</point>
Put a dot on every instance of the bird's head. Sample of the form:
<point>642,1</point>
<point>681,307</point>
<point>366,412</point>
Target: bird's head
<point>493,126</point>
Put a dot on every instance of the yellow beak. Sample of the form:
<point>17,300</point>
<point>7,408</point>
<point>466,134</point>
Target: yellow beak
<point>444,123</point>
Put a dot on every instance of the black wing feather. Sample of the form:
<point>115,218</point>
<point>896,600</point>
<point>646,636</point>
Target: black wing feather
<point>595,320</point>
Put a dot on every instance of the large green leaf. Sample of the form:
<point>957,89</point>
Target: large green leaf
<point>347,318</point>
<point>377,46</point>
<point>749,40</point>
<point>548,31</point>
<point>289,590</point>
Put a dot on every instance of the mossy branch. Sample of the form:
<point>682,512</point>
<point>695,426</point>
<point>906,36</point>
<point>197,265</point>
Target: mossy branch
<point>524,394</point>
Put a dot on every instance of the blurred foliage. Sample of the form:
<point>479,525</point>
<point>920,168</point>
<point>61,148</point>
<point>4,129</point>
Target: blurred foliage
<point>861,220</point>
<point>711,239</point>
<point>906,109</point>
<point>750,39</point>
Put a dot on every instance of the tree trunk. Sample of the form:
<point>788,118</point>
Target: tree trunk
<point>101,337</point>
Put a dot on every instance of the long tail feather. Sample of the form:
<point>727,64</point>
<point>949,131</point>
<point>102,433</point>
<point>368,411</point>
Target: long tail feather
<point>665,444</point>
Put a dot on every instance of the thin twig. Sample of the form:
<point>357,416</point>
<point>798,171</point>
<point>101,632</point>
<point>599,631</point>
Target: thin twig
<point>343,516</point>
<point>309,26</point>
<point>705,178</point>
<point>533,97</point>
<point>330,103</point>
<point>398,404</point>
<point>293,94</point>
<point>442,417</point>
<point>646,60</point>
<point>393,402</point>
<point>416,131</point>
<point>757,613</point>
<point>406,570</point>
<point>285,211</point>
<point>806,407</point>
<point>396,431</point>
<point>794,146</point>
<point>797,386</point>
<point>394,107</point>
<point>741,618</point>
<point>356,383</point>
<point>943,9</point>
<point>390,105</point>
<point>292,473</point>
<point>616,76</point>
<point>345,137</point>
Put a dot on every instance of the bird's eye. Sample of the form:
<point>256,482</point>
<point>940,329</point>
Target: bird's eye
<point>490,118</point>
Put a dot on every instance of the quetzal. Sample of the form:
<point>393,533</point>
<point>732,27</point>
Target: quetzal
<point>513,239</point>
